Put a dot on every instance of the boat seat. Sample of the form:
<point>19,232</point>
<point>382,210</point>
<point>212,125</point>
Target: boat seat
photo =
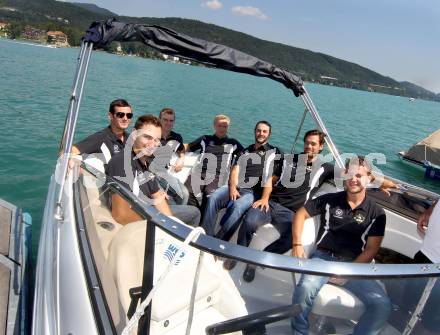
<point>217,298</point>
<point>191,158</point>
<point>401,235</point>
<point>332,300</point>
<point>106,226</point>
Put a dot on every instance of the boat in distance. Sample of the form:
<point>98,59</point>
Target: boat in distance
<point>425,154</point>
<point>161,276</point>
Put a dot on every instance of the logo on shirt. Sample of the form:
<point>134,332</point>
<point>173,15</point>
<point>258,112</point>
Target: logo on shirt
<point>116,148</point>
<point>144,176</point>
<point>338,213</point>
<point>359,218</point>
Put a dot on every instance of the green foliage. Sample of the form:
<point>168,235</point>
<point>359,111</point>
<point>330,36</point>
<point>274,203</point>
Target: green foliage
<point>14,30</point>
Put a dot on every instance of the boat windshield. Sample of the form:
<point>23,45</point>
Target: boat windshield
<point>210,286</point>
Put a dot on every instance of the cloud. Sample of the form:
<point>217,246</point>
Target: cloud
<point>212,4</point>
<point>249,11</point>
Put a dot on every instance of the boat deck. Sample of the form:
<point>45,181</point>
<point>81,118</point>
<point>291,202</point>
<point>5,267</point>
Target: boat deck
<point>5,271</point>
<point>14,231</point>
<point>5,277</point>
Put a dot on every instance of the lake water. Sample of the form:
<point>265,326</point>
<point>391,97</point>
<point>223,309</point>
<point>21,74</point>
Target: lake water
<point>35,84</point>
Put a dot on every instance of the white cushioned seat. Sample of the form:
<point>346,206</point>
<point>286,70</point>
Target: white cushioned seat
<point>216,297</point>
<point>106,226</point>
<point>332,300</point>
<point>191,158</point>
<point>337,302</point>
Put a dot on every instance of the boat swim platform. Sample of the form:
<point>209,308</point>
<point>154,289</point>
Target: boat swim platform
<point>14,229</point>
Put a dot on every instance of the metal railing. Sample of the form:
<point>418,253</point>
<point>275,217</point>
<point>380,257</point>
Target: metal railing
<point>71,119</point>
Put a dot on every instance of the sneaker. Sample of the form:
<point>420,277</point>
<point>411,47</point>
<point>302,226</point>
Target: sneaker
<point>229,264</point>
<point>249,273</point>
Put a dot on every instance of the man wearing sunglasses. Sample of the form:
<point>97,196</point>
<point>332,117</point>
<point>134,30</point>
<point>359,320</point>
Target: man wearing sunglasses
<point>110,140</point>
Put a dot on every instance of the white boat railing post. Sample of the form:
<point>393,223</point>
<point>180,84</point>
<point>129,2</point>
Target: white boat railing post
<point>314,113</point>
<point>417,314</point>
<point>72,100</point>
<point>194,291</point>
<point>72,117</point>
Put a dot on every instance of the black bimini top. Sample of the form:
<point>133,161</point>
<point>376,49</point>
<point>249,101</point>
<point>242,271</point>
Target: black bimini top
<point>173,43</point>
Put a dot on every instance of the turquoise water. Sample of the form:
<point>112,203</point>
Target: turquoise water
<point>35,83</point>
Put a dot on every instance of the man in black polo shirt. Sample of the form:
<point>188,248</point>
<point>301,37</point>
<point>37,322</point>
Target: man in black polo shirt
<point>176,191</point>
<point>352,229</point>
<point>111,140</point>
<point>132,169</point>
<point>300,177</point>
<point>212,171</point>
<point>250,184</point>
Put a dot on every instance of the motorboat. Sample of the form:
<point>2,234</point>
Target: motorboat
<point>425,155</point>
<point>161,276</point>
<point>15,270</point>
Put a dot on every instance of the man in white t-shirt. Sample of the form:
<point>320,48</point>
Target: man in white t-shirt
<point>428,226</point>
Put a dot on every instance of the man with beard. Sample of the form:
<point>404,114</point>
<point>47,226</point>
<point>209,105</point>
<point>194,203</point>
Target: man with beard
<point>132,169</point>
<point>254,166</point>
<point>352,228</point>
<point>300,178</point>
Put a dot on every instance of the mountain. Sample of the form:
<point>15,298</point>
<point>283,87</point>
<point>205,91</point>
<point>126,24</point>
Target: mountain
<point>95,9</point>
<point>75,18</point>
<point>419,91</point>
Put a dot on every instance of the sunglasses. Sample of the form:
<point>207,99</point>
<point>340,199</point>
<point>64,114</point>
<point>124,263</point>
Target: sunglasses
<point>120,115</point>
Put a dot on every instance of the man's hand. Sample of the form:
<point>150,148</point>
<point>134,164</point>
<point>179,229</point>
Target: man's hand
<point>74,160</point>
<point>233,193</point>
<point>263,204</point>
<point>387,185</point>
<point>298,251</point>
<point>337,281</point>
<point>179,164</point>
<point>422,223</point>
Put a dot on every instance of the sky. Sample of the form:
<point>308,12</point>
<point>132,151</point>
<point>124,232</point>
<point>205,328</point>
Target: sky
<point>396,38</point>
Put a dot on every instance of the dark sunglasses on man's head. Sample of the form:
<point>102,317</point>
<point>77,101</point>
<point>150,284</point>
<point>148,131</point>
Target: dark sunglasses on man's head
<point>121,115</point>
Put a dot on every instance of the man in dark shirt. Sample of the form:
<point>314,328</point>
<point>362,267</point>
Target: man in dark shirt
<point>250,184</point>
<point>176,191</point>
<point>111,140</point>
<point>132,169</point>
<point>212,171</point>
<point>299,178</point>
<point>352,228</point>
<point>167,117</point>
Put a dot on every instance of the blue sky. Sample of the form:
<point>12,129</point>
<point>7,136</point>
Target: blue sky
<point>397,38</point>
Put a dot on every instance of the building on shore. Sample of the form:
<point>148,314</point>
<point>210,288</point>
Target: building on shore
<point>3,29</point>
<point>57,38</point>
<point>327,80</point>
<point>34,34</point>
